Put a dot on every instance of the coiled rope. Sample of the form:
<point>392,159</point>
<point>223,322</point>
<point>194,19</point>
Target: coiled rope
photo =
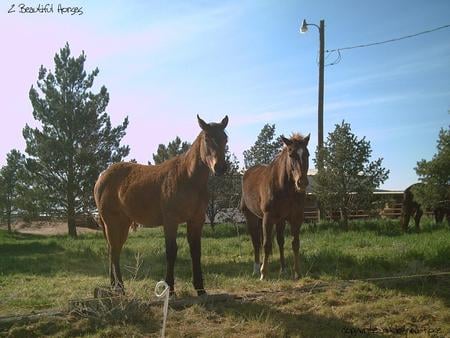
<point>162,290</point>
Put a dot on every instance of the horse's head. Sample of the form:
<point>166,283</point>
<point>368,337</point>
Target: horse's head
<point>298,160</point>
<point>213,145</point>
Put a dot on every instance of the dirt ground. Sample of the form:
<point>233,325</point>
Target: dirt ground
<point>45,228</point>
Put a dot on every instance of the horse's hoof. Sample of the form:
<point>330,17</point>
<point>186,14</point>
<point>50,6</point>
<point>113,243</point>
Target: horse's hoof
<point>201,292</point>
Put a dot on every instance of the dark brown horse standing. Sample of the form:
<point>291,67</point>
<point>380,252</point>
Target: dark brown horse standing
<point>273,194</point>
<point>411,208</point>
<point>166,194</point>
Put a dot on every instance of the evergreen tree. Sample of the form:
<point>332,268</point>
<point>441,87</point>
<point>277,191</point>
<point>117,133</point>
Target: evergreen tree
<point>434,193</point>
<point>174,148</point>
<point>265,148</point>
<point>10,179</point>
<point>225,190</point>
<point>346,178</point>
<point>76,140</point>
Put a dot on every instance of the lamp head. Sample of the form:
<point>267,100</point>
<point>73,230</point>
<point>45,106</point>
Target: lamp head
<point>304,27</point>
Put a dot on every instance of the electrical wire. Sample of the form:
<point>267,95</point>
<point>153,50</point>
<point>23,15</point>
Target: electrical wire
<point>338,50</point>
<point>388,41</point>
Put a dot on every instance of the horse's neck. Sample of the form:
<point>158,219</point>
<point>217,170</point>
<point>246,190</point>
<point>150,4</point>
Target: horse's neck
<point>280,174</point>
<point>193,164</point>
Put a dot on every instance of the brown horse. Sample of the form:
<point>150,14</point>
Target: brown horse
<point>411,207</point>
<point>167,194</point>
<point>273,194</point>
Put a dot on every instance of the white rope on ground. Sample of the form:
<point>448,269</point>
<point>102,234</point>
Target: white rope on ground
<point>162,290</point>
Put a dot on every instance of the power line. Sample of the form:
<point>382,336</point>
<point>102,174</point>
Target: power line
<point>338,50</point>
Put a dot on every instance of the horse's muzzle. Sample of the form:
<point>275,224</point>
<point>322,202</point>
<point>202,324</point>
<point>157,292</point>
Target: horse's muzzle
<point>301,184</point>
<point>219,170</point>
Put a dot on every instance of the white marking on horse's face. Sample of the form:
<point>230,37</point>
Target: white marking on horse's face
<point>212,164</point>
<point>300,155</point>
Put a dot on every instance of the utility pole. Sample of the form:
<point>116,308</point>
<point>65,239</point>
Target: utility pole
<point>321,28</point>
<point>321,82</point>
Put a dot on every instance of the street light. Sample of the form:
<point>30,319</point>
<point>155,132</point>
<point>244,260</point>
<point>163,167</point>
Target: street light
<point>321,28</point>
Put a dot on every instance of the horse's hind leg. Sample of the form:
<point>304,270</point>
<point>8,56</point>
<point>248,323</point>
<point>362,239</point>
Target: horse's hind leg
<point>116,231</point>
<point>280,240</point>
<point>170,236</point>
<point>267,228</point>
<point>255,231</point>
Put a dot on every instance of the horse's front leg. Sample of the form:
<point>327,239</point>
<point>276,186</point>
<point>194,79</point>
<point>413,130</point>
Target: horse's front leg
<point>280,240</point>
<point>267,227</point>
<point>170,235</point>
<point>194,234</point>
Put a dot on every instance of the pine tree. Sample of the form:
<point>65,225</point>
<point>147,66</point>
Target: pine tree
<point>265,148</point>
<point>76,140</point>
<point>346,177</point>
<point>225,190</point>
<point>174,148</point>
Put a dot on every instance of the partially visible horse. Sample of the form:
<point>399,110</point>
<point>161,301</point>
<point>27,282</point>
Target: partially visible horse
<point>273,194</point>
<point>166,194</point>
<point>412,208</point>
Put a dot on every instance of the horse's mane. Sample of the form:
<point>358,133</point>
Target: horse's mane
<point>296,137</point>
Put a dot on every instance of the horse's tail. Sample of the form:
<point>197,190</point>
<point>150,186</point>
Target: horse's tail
<point>242,205</point>
<point>99,220</point>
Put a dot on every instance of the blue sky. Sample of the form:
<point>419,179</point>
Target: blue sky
<point>163,62</point>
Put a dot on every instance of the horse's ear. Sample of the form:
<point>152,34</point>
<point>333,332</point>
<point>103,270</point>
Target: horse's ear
<point>306,139</point>
<point>202,123</point>
<point>224,122</point>
<point>286,141</point>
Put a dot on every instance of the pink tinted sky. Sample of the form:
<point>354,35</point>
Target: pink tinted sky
<point>164,62</point>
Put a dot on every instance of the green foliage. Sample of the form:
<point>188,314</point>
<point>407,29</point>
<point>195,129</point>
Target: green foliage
<point>76,140</point>
<point>10,185</point>
<point>173,148</point>
<point>434,192</point>
<point>225,190</point>
<point>346,177</point>
<point>265,148</point>
<point>44,272</point>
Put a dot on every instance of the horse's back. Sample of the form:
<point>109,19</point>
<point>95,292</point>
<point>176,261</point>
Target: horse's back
<point>130,189</point>
<point>254,184</point>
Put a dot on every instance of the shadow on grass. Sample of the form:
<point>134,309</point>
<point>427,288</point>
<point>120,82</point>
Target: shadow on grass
<point>291,324</point>
<point>432,286</point>
<point>45,256</point>
<point>27,248</point>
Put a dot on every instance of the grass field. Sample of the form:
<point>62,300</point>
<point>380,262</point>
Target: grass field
<point>332,299</point>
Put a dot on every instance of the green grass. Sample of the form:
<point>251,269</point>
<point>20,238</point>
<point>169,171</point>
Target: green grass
<point>45,272</point>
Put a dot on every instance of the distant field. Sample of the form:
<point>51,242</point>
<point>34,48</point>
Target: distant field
<point>42,272</point>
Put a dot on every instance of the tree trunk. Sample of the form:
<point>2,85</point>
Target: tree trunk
<point>8,210</point>
<point>9,220</point>
<point>71,212</point>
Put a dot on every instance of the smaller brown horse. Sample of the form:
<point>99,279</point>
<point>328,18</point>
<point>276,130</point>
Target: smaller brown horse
<point>167,194</point>
<point>273,194</point>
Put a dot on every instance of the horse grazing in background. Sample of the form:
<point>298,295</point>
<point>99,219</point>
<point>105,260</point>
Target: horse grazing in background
<point>412,208</point>
<point>273,194</point>
<point>167,194</point>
